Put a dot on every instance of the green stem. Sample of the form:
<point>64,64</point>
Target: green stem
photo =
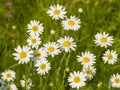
<point>66,65</point>
<point>59,66</point>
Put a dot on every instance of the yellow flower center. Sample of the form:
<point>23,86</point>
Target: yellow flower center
<point>33,40</point>
<point>71,23</point>
<point>42,66</point>
<point>56,12</point>
<point>23,54</point>
<point>103,40</point>
<point>110,57</point>
<point>37,54</point>
<point>66,43</point>
<point>117,80</point>
<point>9,88</point>
<point>89,72</point>
<point>35,28</point>
<point>51,49</point>
<point>8,75</point>
<point>86,59</point>
<point>27,83</point>
<point>77,79</point>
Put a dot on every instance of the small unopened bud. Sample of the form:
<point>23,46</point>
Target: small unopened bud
<point>51,84</point>
<point>67,69</point>
<point>52,32</point>
<point>99,84</point>
<point>80,10</point>
<point>13,27</point>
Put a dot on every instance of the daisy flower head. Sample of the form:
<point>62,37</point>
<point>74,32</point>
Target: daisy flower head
<point>43,66</point>
<point>11,87</point>
<point>103,39</point>
<point>67,43</point>
<point>110,57</point>
<point>90,72</point>
<point>52,48</point>
<point>35,27</point>
<point>23,54</point>
<point>40,54</point>
<point>77,79</point>
<point>56,12</point>
<point>34,41</point>
<point>72,23</point>
<point>26,83</point>
<point>115,80</point>
<point>87,59</point>
<point>8,75</point>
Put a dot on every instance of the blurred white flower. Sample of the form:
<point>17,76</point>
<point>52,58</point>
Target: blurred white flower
<point>103,39</point>
<point>110,57</point>
<point>52,48</point>
<point>35,27</point>
<point>23,54</point>
<point>43,66</point>
<point>72,23</point>
<point>115,80</point>
<point>77,79</point>
<point>67,43</point>
<point>56,12</point>
<point>8,75</point>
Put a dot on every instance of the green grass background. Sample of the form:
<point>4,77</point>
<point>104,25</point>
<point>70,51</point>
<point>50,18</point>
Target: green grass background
<point>97,16</point>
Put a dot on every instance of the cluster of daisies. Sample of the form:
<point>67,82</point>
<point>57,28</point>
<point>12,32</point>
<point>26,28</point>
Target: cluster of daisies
<point>7,81</point>
<point>38,52</point>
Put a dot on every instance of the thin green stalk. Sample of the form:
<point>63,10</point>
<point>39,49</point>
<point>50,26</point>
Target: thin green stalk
<point>59,66</point>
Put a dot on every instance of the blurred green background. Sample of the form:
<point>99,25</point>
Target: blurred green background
<point>97,16</point>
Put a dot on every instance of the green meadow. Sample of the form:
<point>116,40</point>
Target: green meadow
<point>97,16</point>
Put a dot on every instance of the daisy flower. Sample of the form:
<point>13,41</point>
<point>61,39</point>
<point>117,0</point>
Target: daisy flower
<point>90,72</point>
<point>67,43</point>
<point>40,54</point>
<point>23,54</point>
<point>8,75</point>
<point>35,27</point>
<point>43,66</point>
<point>87,59</point>
<point>110,57</point>
<point>26,83</point>
<point>103,39</point>
<point>77,79</point>
<point>56,12</point>
<point>52,48</point>
<point>72,23</point>
<point>11,87</point>
<point>34,41</point>
<point>115,80</point>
